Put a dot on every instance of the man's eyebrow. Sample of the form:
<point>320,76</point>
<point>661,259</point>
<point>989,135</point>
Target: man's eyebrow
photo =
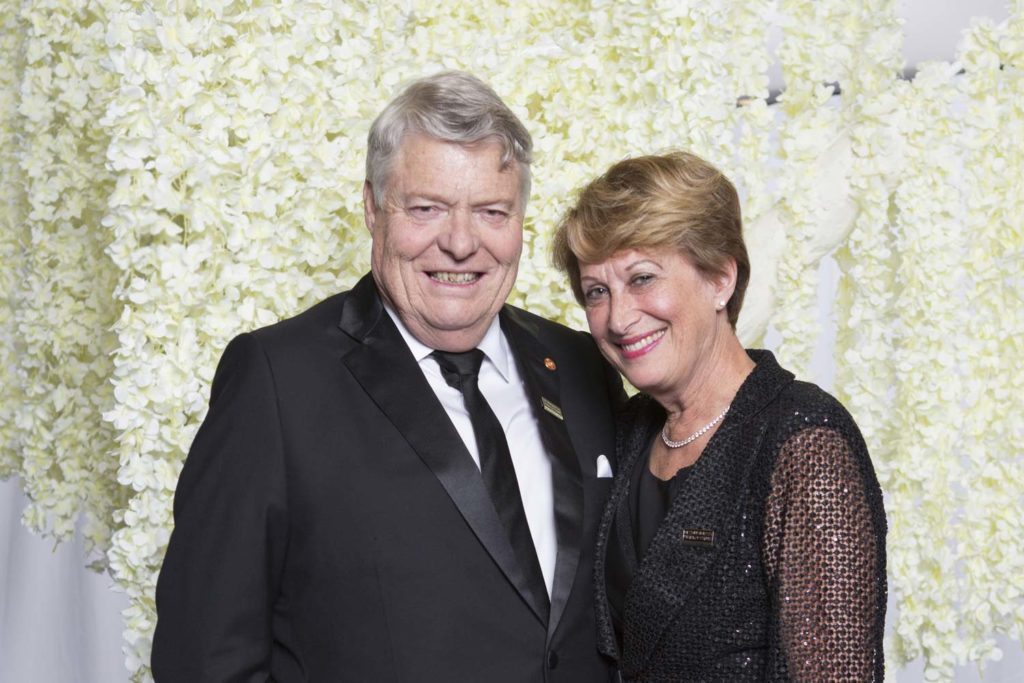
<point>424,197</point>
<point>509,203</point>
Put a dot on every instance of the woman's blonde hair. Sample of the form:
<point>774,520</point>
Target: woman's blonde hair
<point>668,201</point>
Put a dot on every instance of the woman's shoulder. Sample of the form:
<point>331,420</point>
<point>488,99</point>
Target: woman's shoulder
<point>773,396</point>
<point>804,404</point>
<point>815,436</point>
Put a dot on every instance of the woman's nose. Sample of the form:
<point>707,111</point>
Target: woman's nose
<point>622,313</point>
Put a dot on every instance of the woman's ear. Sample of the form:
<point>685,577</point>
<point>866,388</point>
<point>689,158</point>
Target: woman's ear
<point>724,282</point>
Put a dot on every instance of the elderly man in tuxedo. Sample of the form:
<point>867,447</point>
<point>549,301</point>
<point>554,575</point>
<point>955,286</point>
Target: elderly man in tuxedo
<point>403,482</point>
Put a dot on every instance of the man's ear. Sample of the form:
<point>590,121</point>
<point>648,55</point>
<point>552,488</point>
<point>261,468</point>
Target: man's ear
<point>369,207</point>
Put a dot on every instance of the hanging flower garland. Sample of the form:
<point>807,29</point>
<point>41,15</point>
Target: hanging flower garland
<point>236,139</point>
<point>755,155</point>
<point>864,309</point>
<point>873,108</point>
<point>993,513</point>
<point>931,321</point>
<point>812,56</point>
<point>745,146</point>
<point>66,283</point>
<point>12,236</point>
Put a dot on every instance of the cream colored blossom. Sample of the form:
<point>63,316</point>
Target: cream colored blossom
<point>182,173</point>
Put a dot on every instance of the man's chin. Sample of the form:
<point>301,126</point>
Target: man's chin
<point>452,333</point>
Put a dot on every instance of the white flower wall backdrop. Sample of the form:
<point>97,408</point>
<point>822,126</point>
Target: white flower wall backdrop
<point>177,172</point>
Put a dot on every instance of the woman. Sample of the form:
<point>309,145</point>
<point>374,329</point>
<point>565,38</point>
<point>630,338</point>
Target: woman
<point>744,539</point>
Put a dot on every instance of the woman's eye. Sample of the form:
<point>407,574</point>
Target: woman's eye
<point>642,279</point>
<point>594,293</point>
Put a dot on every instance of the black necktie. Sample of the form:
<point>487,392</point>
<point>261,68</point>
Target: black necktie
<point>460,371</point>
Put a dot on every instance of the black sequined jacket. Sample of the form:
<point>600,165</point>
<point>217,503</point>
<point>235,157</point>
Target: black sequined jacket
<point>770,562</point>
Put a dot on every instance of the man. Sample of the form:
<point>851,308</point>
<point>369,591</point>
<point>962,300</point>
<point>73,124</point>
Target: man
<point>362,505</point>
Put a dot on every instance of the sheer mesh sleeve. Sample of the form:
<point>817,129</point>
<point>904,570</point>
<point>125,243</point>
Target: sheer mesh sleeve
<point>824,555</point>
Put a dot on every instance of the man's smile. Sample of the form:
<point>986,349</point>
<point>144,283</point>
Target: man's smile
<point>452,278</point>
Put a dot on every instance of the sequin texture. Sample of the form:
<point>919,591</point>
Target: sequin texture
<point>794,586</point>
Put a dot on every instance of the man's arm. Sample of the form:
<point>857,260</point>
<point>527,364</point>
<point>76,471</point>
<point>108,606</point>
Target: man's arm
<point>220,577</point>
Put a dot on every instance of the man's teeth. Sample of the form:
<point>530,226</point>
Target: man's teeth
<point>454,278</point>
<point>646,341</point>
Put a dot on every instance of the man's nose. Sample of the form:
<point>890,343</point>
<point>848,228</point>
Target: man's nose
<point>459,237</point>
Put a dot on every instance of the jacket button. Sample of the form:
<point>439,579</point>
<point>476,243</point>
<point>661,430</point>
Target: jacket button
<point>552,659</point>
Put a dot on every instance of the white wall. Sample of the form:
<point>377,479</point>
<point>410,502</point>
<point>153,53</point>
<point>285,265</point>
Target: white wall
<point>59,622</point>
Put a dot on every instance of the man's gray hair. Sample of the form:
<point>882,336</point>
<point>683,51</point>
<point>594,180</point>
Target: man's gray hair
<point>452,106</point>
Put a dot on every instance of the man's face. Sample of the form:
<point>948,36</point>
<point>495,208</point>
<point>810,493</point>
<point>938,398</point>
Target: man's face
<point>446,242</point>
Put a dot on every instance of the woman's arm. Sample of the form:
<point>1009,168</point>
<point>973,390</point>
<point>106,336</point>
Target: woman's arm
<point>824,555</point>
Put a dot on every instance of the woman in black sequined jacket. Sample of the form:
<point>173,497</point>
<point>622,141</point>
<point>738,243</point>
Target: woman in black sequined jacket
<point>744,539</point>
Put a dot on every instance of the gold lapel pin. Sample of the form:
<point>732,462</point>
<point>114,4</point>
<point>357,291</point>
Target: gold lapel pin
<point>552,408</point>
<point>549,364</point>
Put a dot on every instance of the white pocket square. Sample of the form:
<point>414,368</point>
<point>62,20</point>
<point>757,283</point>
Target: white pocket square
<point>604,468</point>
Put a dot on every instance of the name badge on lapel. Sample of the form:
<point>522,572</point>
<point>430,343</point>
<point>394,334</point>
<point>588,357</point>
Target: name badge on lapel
<point>552,408</point>
<point>701,538</point>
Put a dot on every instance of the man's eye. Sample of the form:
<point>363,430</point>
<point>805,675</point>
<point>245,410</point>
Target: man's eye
<point>424,210</point>
<point>495,214</point>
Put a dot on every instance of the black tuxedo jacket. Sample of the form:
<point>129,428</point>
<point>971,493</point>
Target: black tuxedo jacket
<point>330,524</point>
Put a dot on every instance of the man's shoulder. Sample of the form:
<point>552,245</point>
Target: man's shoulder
<point>317,322</point>
<point>548,330</point>
<point>573,350</point>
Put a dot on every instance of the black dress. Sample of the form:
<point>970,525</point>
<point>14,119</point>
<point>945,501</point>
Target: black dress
<point>649,502</point>
<point>769,562</point>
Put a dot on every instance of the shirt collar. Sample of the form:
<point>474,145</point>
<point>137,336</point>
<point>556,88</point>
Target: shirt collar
<point>494,345</point>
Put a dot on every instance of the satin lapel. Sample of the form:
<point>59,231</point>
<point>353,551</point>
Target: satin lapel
<point>387,371</point>
<point>614,538</point>
<point>607,528</point>
<point>539,369</point>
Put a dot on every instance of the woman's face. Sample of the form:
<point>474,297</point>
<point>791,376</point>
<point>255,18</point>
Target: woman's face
<point>654,316</point>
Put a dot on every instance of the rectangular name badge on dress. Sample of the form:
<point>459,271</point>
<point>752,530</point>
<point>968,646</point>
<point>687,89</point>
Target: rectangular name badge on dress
<point>701,538</point>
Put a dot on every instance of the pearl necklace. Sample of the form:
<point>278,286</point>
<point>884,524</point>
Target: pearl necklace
<point>693,437</point>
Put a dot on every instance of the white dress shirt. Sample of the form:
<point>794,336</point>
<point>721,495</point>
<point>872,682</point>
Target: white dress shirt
<point>504,390</point>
